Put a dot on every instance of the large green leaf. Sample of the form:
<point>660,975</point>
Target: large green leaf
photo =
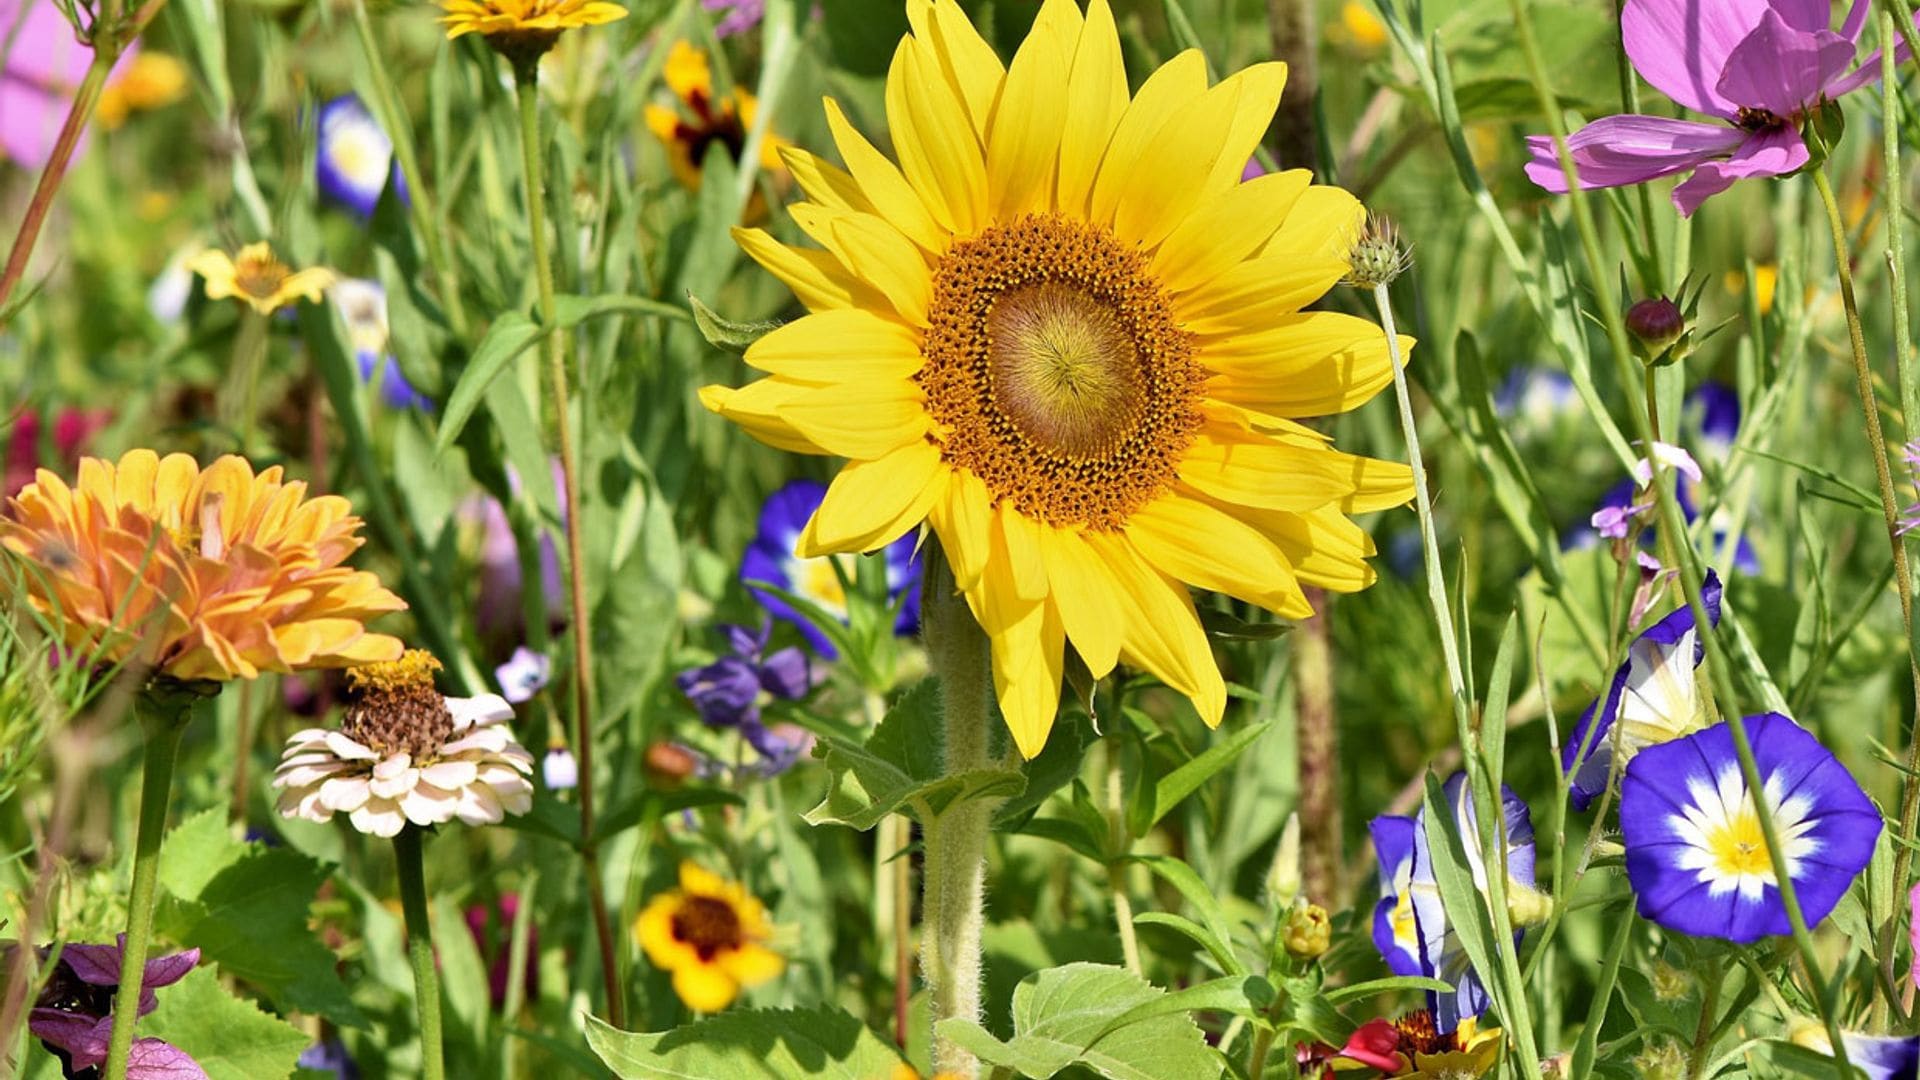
<point>245,906</point>
<point>898,769</point>
<point>764,1044</point>
<point>1101,1017</point>
<point>230,1038</point>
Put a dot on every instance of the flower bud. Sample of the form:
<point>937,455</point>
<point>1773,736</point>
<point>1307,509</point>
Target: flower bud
<point>1656,325</point>
<point>1527,906</point>
<point>1670,983</point>
<point>1377,256</point>
<point>668,765</point>
<point>1309,932</point>
<point>1283,876</point>
<point>1661,1060</point>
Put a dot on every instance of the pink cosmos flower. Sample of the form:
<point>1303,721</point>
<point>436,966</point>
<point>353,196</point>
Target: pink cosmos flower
<point>1761,66</point>
<point>38,76</point>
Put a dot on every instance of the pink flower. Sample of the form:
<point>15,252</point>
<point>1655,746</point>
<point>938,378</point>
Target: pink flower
<point>1761,66</point>
<point>71,429</point>
<point>38,76</point>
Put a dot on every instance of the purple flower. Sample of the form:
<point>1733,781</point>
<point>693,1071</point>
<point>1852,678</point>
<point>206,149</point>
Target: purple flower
<point>741,15</point>
<point>730,692</point>
<point>1714,409</point>
<point>42,64</point>
<point>1535,397</point>
<point>1394,933</point>
<point>523,675</point>
<point>329,1056</point>
<point>1760,66</point>
<point>773,558</point>
<point>1652,697</point>
<point>73,1017</point>
<point>1910,517</point>
<point>492,928</point>
<point>355,157</point>
<point>1696,857</point>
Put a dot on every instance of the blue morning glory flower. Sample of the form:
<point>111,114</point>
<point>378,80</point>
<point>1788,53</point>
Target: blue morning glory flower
<point>1652,696</point>
<point>772,557</point>
<point>1440,952</point>
<point>1884,1057</point>
<point>1393,929</point>
<point>1532,398</point>
<point>730,692</point>
<point>1714,411</point>
<point>355,157</point>
<point>1696,857</point>
<point>363,308</point>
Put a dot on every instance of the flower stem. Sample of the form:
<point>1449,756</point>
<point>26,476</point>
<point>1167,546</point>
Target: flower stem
<point>163,714</point>
<point>426,980</point>
<point>953,893</point>
<point>1119,841</point>
<point>526,82</point>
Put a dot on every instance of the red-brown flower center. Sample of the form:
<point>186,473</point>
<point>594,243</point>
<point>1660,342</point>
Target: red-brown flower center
<point>709,925</point>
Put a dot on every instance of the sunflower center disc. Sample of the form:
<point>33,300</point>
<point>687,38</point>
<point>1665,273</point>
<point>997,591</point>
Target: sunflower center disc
<point>1057,373</point>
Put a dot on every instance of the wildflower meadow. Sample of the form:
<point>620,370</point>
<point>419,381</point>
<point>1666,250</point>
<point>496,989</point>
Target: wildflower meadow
<point>959,539</point>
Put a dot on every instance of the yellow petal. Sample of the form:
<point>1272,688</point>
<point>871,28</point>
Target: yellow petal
<point>934,141</point>
<point>1254,470</point>
<point>1312,364</point>
<point>873,503</point>
<point>1378,485</point>
<point>1165,93</point>
<point>1253,295</point>
<point>704,988</point>
<point>880,181</point>
<point>1163,633</point>
<point>964,521</point>
<point>1226,230</point>
<point>849,345</point>
<point>863,422</point>
<point>1023,141</point>
<point>1028,645</point>
<point>1195,542</point>
<point>750,965</point>
<point>875,253</point>
<point>1250,122</point>
<point>1153,200</point>
<point>1323,223</point>
<point>824,182</point>
<point>1083,593</point>
<point>817,279</point>
<point>1096,100</point>
<point>968,63</point>
<point>753,408</point>
<point>1325,548</point>
<point>1022,536</point>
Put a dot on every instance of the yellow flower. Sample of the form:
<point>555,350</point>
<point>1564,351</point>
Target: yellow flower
<point>258,279</point>
<point>710,934</point>
<point>524,29</point>
<point>205,574</point>
<point>1463,1055</point>
<point>725,122</point>
<point>1765,277</point>
<point>1362,27</point>
<point>149,81</point>
<point>1063,332</point>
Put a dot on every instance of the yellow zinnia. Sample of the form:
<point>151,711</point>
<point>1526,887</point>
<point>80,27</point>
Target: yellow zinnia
<point>710,935</point>
<point>204,574</point>
<point>259,279</point>
<point>688,132</point>
<point>522,30</point>
<point>1065,334</point>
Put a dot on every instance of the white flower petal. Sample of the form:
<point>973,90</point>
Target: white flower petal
<point>450,774</point>
<point>346,748</point>
<point>382,819</point>
<point>344,794</point>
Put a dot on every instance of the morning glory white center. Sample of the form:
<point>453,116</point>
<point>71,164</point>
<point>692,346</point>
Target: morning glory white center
<point>1725,847</point>
<point>1660,701</point>
<point>357,149</point>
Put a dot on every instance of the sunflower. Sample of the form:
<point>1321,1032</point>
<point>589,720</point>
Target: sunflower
<point>701,121</point>
<point>1063,332</point>
<point>710,934</point>
<point>258,279</point>
<point>523,30</point>
<point>205,574</point>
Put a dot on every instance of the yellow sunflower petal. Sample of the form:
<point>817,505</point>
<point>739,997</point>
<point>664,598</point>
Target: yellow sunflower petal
<point>1225,232</point>
<point>754,407</point>
<point>816,277</point>
<point>874,252</point>
<point>839,346</point>
<point>1312,364</point>
<point>964,521</point>
<point>873,503</point>
<point>859,421</point>
<point>1155,199</point>
<point>1250,122</point>
<point>882,183</point>
<point>1202,545</point>
<point>1083,592</point>
<point>1323,223</point>
<point>967,62</point>
<point>937,147</point>
<point>1252,296</point>
<point>1028,651</point>
<point>1378,485</point>
<point>1165,93</point>
<point>704,987</point>
<point>1023,142</point>
<point>1253,470</point>
<point>824,182</point>
<point>1096,100</point>
<point>1025,566</point>
<point>1163,633</point>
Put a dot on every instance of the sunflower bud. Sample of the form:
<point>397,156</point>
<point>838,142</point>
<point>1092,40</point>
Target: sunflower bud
<point>1377,255</point>
<point>1309,932</point>
<point>1656,325</point>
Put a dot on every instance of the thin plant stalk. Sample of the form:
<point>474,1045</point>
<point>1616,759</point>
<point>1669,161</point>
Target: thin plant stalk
<point>163,717</point>
<point>426,979</point>
<point>1118,842</point>
<point>953,896</point>
<point>1673,523</point>
<point>526,82</point>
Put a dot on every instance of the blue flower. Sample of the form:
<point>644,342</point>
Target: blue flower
<point>1713,409</point>
<point>773,558</point>
<point>730,692</point>
<point>1652,696</point>
<point>523,675</point>
<point>1393,929</point>
<point>1440,953</point>
<point>355,157</point>
<point>1696,857</point>
<point>1884,1057</point>
<point>329,1056</point>
<point>363,308</point>
<point>1532,398</point>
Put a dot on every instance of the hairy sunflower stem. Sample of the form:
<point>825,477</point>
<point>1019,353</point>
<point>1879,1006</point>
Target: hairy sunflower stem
<point>163,712</point>
<point>1317,735</point>
<point>527,84</point>
<point>426,979</point>
<point>953,898</point>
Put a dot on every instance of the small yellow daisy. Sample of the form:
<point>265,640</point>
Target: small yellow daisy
<point>709,933</point>
<point>257,278</point>
<point>522,30</point>
<point>687,132</point>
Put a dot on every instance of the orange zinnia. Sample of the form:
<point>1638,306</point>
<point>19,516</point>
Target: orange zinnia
<point>209,574</point>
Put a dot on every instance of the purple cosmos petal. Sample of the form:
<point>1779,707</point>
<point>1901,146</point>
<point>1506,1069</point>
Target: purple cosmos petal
<point>153,1059</point>
<point>82,1037</point>
<point>1629,149</point>
<point>1804,15</point>
<point>1681,46</point>
<point>1869,69</point>
<point>786,674</point>
<point>1678,805</point>
<point>1856,19</point>
<point>1784,70</point>
<point>1774,152</point>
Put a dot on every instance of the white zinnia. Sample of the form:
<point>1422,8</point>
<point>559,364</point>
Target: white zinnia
<point>479,775</point>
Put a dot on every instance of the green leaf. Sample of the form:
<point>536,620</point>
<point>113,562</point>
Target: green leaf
<point>723,333</point>
<point>1185,780</point>
<point>1466,908</point>
<point>230,1038</point>
<point>510,335</point>
<point>1181,876</point>
<point>1055,767</point>
<point>245,906</point>
<point>1229,627</point>
<point>898,769</point>
<point>1392,984</point>
<point>1101,1017</point>
<point>761,1044</point>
